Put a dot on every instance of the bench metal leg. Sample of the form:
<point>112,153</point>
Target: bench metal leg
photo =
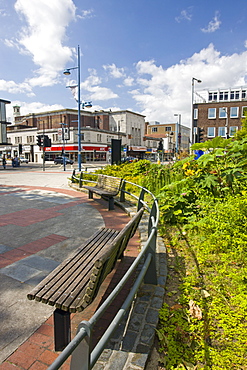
<point>111,204</point>
<point>62,332</point>
<point>90,194</point>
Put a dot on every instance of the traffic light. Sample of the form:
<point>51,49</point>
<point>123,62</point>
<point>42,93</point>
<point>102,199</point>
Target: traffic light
<point>20,149</point>
<point>39,140</point>
<point>200,135</point>
<point>47,141</point>
<point>160,147</point>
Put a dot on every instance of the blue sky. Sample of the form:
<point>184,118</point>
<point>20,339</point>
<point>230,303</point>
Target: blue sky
<point>136,55</point>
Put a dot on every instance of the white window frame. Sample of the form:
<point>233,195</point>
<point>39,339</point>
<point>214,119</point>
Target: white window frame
<point>154,129</point>
<point>223,129</point>
<point>231,112</point>
<point>244,109</point>
<point>212,110</point>
<point>208,133</point>
<point>232,128</point>
<point>196,113</point>
<point>223,112</point>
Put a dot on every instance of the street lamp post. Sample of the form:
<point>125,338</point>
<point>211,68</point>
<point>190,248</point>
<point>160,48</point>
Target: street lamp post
<point>67,72</point>
<point>63,137</point>
<point>226,112</point>
<point>192,135</point>
<point>178,133</point>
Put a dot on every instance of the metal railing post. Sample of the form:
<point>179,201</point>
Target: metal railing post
<point>122,191</point>
<point>140,200</point>
<point>73,175</point>
<point>80,179</point>
<point>80,359</point>
<point>151,275</point>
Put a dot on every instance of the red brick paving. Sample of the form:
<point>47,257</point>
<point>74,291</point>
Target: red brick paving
<point>38,351</point>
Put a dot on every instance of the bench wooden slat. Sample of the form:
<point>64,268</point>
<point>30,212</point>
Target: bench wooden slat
<point>75,274</point>
<point>107,186</point>
<point>74,283</point>
<point>106,262</point>
<point>56,275</point>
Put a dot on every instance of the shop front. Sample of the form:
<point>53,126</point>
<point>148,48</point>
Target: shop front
<point>137,151</point>
<point>89,153</point>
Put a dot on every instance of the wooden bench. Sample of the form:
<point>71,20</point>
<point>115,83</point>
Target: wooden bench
<point>106,186</point>
<point>73,285</point>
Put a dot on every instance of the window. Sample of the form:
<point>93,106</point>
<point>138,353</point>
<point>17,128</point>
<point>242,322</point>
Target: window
<point>213,96</point>
<point>54,138</point>
<point>226,95</point>
<point>232,130</point>
<point>222,131</point>
<point>211,131</point>
<point>82,137</point>
<point>30,139</point>
<point>98,137</point>
<point>244,94</point>
<point>244,111</point>
<point>211,113</point>
<point>221,95</point>
<point>168,128</point>
<point>234,112</point>
<point>18,140</point>
<point>196,113</point>
<point>222,112</point>
<point>154,129</point>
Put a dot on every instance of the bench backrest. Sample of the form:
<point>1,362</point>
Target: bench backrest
<point>107,260</point>
<point>109,183</point>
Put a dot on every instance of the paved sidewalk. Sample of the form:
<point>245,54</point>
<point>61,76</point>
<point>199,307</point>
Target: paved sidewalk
<point>40,226</point>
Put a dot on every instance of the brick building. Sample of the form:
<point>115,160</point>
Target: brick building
<point>219,113</point>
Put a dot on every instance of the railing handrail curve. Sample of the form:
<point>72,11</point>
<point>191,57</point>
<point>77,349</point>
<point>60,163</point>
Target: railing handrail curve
<point>85,328</point>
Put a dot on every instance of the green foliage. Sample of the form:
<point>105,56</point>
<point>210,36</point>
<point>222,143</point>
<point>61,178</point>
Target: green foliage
<point>204,204</point>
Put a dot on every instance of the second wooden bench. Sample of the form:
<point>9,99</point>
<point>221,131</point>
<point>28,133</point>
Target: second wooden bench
<point>106,186</point>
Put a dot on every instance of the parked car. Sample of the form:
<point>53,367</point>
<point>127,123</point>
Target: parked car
<point>59,160</point>
<point>129,159</point>
<point>22,159</point>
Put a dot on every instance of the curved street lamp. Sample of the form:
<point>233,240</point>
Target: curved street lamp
<point>84,105</point>
<point>192,135</point>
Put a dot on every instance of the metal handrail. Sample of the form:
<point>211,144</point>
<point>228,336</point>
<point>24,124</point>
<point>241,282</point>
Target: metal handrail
<point>79,347</point>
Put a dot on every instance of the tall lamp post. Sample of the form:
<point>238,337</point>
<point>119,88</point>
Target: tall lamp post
<point>67,72</point>
<point>178,132</point>
<point>226,112</point>
<point>192,115</point>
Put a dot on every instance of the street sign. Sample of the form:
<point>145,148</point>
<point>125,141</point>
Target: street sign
<point>60,134</point>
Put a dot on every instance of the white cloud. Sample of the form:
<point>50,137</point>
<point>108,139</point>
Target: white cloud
<point>161,93</point>
<point>86,14</point>
<point>42,37</point>
<point>213,25</point>
<point>185,14</point>
<point>114,70</point>
<point>34,107</point>
<point>15,88</point>
<point>97,92</point>
<point>129,81</point>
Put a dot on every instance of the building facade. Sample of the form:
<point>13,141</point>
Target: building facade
<point>61,126</point>
<point>219,113</point>
<point>174,136</point>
